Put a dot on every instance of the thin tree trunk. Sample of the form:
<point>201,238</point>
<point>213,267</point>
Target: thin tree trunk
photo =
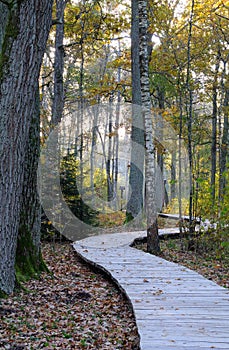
<point>224,146</point>
<point>161,103</point>
<point>179,157</point>
<point>80,116</point>
<point>58,98</point>
<point>109,156</point>
<point>95,124</point>
<point>173,174</point>
<point>190,117</point>
<point>109,184</point>
<point>116,147</point>
<point>223,134</point>
<point>214,127</point>
<point>93,145</point>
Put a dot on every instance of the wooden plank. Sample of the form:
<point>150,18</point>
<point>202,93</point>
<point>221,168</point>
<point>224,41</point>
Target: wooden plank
<point>165,344</point>
<point>174,306</point>
<point>176,217</point>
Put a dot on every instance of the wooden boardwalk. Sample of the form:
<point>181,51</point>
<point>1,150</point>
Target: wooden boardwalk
<point>175,308</point>
<point>176,217</point>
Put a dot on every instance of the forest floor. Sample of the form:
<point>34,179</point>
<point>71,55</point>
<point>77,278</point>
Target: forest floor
<point>71,308</point>
<point>208,263</point>
<point>74,307</point>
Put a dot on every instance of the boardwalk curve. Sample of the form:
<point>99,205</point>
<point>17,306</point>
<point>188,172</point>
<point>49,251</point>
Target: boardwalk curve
<point>174,307</point>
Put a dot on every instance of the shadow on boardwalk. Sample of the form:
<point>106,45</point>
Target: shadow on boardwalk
<point>174,307</point>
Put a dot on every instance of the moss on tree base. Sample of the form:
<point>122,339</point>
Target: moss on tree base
<point>29,262</point>
<point>3,295</point>
<point>129,218</point>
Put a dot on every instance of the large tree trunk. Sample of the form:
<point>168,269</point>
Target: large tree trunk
<point>4,19</point>
<point>150,170</point>
<point>135,203</point>
<point>28,255</point>
<point>25,37</point>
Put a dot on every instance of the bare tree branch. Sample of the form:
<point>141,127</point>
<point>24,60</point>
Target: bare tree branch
<point>56,21</point>
<point>221,16</point>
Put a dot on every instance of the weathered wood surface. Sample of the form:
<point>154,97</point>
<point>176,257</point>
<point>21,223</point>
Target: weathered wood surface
<point>175,308</point>
<point>176,217</point>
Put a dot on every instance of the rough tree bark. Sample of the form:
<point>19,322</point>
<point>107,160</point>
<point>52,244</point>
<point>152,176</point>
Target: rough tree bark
<point>180,151</point>
<point>189,106</point>
<point>58,97</point>
<point>224,147</point>
<point>214,126</point>
<point>173,175</point>
<point>135,203</point>
<point>109,151</point>
<point>28,255</point>
<point>4,18</point>
<point>150,173</point>
<point>23,46</point>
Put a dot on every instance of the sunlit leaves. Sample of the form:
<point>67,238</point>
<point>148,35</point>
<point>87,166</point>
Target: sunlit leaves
<point>95,34</point>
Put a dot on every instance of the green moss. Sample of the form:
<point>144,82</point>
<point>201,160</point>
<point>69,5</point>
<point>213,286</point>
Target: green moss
<point>11,32</point>
<point>3,295</point>
<point>29,263</point>
<point>129,218</point>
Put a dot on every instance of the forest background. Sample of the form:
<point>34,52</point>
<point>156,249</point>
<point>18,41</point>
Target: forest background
<point>82,60</point>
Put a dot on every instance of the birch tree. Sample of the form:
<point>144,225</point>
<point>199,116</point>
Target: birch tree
<point>150,171</point>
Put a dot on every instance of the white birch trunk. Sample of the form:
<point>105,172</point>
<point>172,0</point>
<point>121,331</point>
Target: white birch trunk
<point>150,164</point>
